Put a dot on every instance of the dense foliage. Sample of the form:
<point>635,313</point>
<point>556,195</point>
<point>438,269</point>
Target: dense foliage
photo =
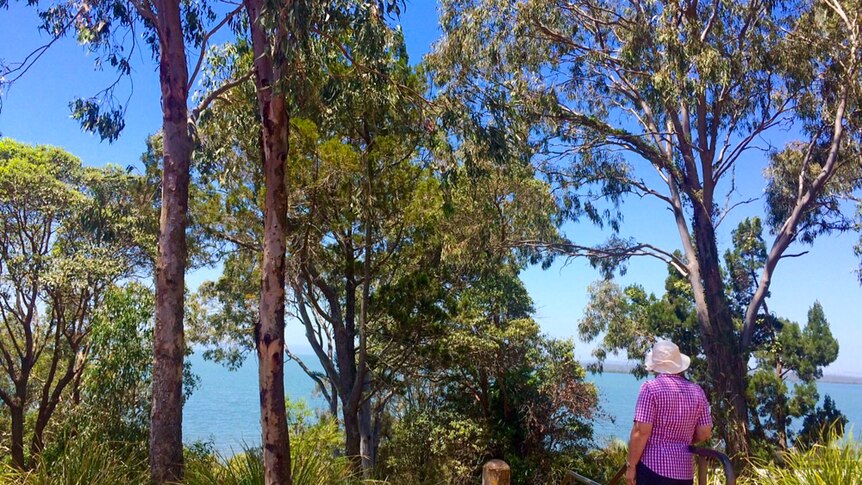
<point>659,104</point>
<point>388,207</point>
<point>788,358</point>
<point>491,385</point>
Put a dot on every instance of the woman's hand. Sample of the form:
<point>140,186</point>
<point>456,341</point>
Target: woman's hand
<point>630,475</point>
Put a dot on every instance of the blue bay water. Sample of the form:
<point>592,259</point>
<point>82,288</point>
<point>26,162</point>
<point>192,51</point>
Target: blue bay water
<point>224,409</point>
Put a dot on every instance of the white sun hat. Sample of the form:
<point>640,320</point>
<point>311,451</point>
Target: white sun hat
<point>665,358</point>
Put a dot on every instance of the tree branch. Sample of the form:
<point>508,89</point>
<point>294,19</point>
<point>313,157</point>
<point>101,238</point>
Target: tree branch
<point>216,93</point>
<point>788,230</point>
<point>315,376</point>
<point>607,253</point>
<point>205,41</point>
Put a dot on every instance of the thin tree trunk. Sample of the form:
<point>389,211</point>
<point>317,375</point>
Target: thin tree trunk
<point>166,439</point>
<point>780,421</point>
<point>345,351</point>
<point>367,446</point>
<point>333,403</point>
<point>376,430</point>
<point>47,406</point>
<point>806,196</point>
<point>269,333</point>
<point>49,397</point>
<point>346,356</point>
<point>16,414</point>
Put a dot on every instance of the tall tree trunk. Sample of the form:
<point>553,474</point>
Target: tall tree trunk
<point>346,356</point>
<point>166,439</point>
<point>363,382</point>
<point>725,360</point>
<point>353,438</point>
<point>269,333</point>
<point>345,351</point>
<point>367,446</point>
<point>16,414</point>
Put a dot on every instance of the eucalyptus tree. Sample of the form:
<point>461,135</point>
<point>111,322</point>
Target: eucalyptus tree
<point>628,319</point>
<point>666,101</point>
<point>112,29</point>
<point>68,233</point>
<point>278,33</point>
<point>353,176</point>
<point>365,227</point>
<point>272,30</point>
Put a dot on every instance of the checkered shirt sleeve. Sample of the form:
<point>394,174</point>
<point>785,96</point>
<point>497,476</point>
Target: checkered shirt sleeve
<point>645,407</point>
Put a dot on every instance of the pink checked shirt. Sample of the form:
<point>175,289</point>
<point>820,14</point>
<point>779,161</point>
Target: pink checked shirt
<point>675,407</point>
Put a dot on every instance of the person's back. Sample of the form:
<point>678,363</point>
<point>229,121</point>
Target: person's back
<point>675,407</point>
<point>671,413</point>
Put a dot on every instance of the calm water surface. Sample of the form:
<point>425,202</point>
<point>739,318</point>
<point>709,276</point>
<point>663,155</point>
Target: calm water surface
<point>224,409</point>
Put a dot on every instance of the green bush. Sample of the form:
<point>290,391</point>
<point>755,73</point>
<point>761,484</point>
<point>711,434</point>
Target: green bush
<point>836,461</point>
<point>85,463</point>
<point>601,464</point>
<point>430,447</point>
<point>204,467</point>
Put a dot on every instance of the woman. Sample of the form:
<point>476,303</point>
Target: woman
<point>671,413</point>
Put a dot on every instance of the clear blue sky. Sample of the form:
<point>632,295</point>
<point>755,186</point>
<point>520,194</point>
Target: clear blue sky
<point>35,111</point>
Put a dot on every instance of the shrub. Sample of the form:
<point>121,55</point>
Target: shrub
<point>601,464</point>
<point>429,447</point>
<point>837,460</point>
<point>85,462</point>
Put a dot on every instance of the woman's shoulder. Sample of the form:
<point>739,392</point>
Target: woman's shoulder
<point>677,379</point>
<point>696,388</point>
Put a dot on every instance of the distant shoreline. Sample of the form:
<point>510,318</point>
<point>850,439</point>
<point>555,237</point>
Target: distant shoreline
<point>624,368</point>
<point>618,368</point>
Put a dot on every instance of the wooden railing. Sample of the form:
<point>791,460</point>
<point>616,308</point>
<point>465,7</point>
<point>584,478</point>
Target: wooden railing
<point>497,472</point>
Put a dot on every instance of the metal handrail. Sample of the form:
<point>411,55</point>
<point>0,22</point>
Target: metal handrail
<point>573,478</point>
<point>702,455</point>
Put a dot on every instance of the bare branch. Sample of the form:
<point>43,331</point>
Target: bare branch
<point>794,255</point>
<point>315,376</point>
<point>727,210</point>
<point>216,93</point>
<point>205,42</point>
<point>21,68</point>
<point>608,253</point>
